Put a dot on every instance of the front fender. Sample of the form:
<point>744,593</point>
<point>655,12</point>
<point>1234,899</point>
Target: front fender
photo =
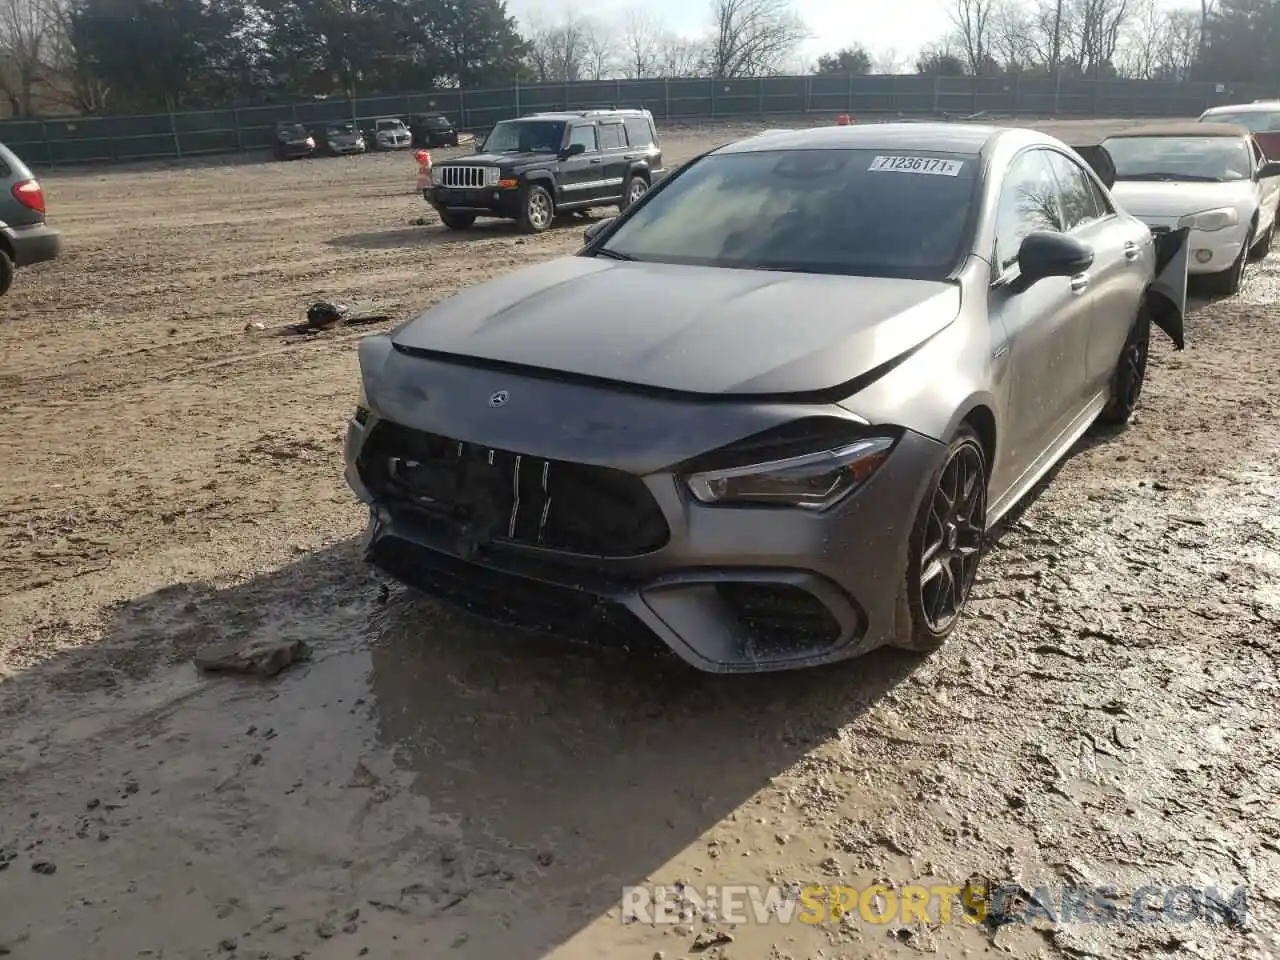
<point>1168,290</point>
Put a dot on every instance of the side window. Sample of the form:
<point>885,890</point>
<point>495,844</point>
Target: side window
<point>611,136</point>
<point>1101,200</point>
<point>584,134</point>
<point>1078,203</point>
<point>1028,202</point>
<point>1258,158</point>
<point>638,132</point>
<point>1273,122</point>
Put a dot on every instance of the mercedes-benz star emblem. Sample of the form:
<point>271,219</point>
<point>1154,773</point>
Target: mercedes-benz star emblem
<point>498,399</point>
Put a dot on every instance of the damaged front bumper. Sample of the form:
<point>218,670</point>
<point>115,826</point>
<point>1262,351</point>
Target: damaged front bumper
<point>728,589</point>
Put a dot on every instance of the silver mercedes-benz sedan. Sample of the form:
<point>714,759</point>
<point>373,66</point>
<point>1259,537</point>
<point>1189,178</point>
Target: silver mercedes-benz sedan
<point>769,413</point>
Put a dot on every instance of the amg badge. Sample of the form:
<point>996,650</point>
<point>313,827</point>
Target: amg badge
<point>499,399</point>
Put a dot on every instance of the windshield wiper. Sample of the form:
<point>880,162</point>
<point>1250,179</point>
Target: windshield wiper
<point>614,255</point>
<point>1169,177</point>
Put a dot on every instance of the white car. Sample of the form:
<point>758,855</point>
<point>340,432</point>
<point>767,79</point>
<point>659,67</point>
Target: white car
<point>391,135</point>
<point>1211,178</point>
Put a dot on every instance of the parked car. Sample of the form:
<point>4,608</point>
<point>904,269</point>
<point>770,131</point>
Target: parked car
<point>25,237</point>
<point>531,169</point>
<point>433,130</point>
<point>1211,178</point>
<point>769,412</point>
<point>391,134</point>
<point>340,139</point>
<point>1262,118</point>
<point>292,141</point>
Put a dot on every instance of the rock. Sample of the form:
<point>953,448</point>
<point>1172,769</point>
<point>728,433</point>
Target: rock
<point>254,327</point>
<point>228,945</point>
<point>93,804</point>
<point>705,941</point>
<point>325,930</point>
<point>265,658</point>
<point>44,867</point>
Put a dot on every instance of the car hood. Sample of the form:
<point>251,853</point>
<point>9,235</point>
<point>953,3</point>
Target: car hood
<point>699,330</point>
<point>497,159</point>
<point>1145,198</point>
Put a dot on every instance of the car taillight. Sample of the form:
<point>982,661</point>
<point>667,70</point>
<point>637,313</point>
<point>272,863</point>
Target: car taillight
<point>30,194</point>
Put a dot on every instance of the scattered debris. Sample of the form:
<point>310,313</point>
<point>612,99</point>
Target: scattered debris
<point>705,941</point>
<point>265,658</point>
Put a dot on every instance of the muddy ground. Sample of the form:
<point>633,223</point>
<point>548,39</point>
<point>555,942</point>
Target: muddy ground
<point>431,786</point>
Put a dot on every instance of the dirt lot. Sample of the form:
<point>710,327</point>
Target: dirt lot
<point>430,786</point>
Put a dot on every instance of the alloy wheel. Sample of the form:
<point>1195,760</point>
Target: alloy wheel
<point>539,210</point>
<point>953,538</point>
<point>638,188</point>
<point>1135,363</point>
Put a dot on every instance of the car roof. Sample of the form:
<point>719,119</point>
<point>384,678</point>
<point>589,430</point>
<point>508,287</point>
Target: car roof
<point>943,137</point>
<point>567,115</point>
<point>1258,106</point>
<point>1182,130</point>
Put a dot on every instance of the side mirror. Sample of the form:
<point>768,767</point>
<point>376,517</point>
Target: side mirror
<point>593,231</point>
<point>573,149</point>
<point>479,145</point>
<point>1269,169</point>
<point>1046,254</point>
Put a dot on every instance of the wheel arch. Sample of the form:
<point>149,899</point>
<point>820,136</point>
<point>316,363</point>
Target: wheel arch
<point>982,419</point>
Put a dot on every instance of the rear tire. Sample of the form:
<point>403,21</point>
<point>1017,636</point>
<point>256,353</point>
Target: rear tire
<point>456,221</point>
<point>947,540</point>
<point>633,190</point>
<point>1130,373</point>
<point>6,273</point>
<point>537,209</point>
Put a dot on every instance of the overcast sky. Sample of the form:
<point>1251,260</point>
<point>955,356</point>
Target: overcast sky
<point>902,26</point>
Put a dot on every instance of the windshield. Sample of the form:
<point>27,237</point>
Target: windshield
<point>390,124</point>
<point>854,212</point>
<point>525,136</point>
<point>436,123</point>
<point>1180,158</point>
<point>293,130</point>
<point>346,130</point>
<point>1258,121</point>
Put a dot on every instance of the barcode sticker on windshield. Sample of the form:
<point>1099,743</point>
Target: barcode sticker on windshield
<point>935,166</point>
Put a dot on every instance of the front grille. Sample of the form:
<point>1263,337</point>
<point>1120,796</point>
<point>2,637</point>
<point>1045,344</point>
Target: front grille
<point>491,495</point>
<point>780,619</point>
<point>512,600</point>
<point>462,176</point>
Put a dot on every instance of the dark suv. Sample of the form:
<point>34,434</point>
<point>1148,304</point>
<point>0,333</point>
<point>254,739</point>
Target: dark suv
<point>24,237</point>
<point>531,169</point>
<point>433,130</point>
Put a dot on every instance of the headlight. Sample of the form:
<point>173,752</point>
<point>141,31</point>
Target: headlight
<point>1210,220</point>
<point>815,481</point>
<point>491,175</point>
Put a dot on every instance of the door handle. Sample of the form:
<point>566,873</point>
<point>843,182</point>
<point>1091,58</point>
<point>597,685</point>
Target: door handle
<point>1131,251</point>
<point>629,156</point>
<point>595,160</point>
<point>1079,283</point>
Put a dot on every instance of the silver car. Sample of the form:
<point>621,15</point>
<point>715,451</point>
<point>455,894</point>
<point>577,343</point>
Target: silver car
<point>769,413</point>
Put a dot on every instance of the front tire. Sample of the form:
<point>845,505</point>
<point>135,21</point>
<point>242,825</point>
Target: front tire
<point>537,209</point>
<point>946,544</point>
<point>1228,282</point>
<point>1130,373</point>
<point>1262,249</point>
<point>456,221</point>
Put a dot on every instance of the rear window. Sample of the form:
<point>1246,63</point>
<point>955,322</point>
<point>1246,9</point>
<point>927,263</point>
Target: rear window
<point>639,133</point>
<point>856,212</point>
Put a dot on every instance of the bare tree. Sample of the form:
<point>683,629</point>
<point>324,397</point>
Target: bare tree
<point>558,52</point>
<point>641,39</point>
<point>600,51</point>
<point>27,34</point>
<point>1141,49</point>
<point>752,38</point>
<point>889,60</point>
<point>972,20</point>
<point>679,56</point>
<point>1098,25</point>
<point>1011,44</point>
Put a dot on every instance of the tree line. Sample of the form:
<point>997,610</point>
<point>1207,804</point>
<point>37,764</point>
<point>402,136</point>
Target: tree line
<point>127,56</point>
